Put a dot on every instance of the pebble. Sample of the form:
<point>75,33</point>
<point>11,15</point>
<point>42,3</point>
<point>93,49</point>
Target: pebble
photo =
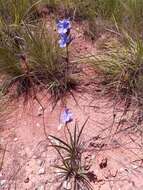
<point>103,163</point>
<point>41,171</point>
<point>41,187</point>
<point>38,125</point>
<point>15,139</point>
<point>40,111</point>
<point>53,141</point>
<point>122,169</point>
<point>135,167</point>
<point>2,182</point>
<point>40,162</point>
<point>26,180</point>
<point>58,172</point>
<point>67,185</point>
<point>93,157</point>
<point>35,157</point>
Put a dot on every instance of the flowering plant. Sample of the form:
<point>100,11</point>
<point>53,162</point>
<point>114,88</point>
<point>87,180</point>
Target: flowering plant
<point>66,116</point>
<point>64,27</point>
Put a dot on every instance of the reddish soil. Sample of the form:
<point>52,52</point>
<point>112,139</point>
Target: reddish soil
<point>25,152</point>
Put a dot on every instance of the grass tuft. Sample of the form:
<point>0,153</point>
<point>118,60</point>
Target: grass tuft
<point>71,170</point>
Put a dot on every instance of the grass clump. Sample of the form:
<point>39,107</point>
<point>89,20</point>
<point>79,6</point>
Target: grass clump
<point>122,65</point>
<point>35,60</point>
<point>29,52</point>
<point>72,171</point>
<point>48,62</point>
<point>103,14</point>
<point>14,12</point>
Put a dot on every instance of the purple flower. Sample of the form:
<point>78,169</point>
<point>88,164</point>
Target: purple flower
<point>64,40</point>
<point>66,116</point>
<point>63,26</point>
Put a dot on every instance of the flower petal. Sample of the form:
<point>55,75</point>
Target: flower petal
<point>63,26</point>
<point>66,116</point>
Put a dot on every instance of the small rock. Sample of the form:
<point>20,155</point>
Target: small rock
<point>92,176</point>
<point>15,139</point>
<point>67,185</point>
<point>122,170</point>
<point>88,156</point>
<point>93,157</point>
<point>60,126</point>
<point>40,162</point>
<point>41,187</point>
<point>87,166</point>
<point>40,111</point>
<point>53,141</point>
<point>26,180</point>
<point>103,163</point>
<point>58,172</point>
<point>38,125</point>
<point>2,183</point>
<point>135,167</point>
<point>107,174</point>
<point>41,171</point>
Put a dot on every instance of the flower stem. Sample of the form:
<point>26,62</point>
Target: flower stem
<point>67,56</point>
<point>67,64</point>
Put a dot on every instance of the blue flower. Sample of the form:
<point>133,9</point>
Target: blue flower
<point>64,40</point>
<point>63,26</point>
<point>66,116</point>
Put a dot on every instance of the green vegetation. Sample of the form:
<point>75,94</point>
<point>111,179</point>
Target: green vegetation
<point>31,59</point>
<point>29,52</point>
<point>72,169</point>
<point>21,31</point>
<point>102,14</point>
<point>122,65</point>
<point>14,12</point>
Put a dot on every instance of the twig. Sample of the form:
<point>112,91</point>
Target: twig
<point>3,156</point>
